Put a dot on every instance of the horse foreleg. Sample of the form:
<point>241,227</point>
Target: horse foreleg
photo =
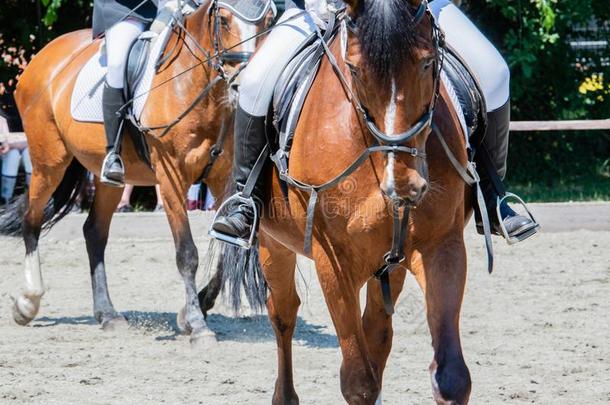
<point>282,305</point>
<point>378,324</point>
<point>187,260</point>
<point>95,231</point>
<point>440,269</point>
<point>359,382</point>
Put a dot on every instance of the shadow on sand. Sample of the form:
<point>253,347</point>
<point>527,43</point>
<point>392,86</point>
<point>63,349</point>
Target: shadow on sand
<point>250,329</point>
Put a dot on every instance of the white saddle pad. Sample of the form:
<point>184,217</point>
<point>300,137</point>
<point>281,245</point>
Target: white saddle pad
<point>86,102</point>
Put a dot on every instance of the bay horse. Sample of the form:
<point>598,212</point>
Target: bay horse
<point>378,80</point>
<point>62,148</point>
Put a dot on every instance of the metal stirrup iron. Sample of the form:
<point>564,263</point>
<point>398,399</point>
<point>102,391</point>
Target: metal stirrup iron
<point>243,198</point>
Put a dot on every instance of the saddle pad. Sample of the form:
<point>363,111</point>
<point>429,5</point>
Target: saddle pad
<point>252,11</point>
<point>86,102</point>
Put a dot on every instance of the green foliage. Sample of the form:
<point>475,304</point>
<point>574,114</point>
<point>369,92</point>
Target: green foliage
<point>27,25</point>
<point>552,80</point>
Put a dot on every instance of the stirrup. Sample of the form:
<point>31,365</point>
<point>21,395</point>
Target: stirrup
<point>511,240</point>
<point>235,241</point>
<point>107,181</point>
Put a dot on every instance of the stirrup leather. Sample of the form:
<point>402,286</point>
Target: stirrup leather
<point>103,178</point>
<point>235,241</point>
<point>511,240</point>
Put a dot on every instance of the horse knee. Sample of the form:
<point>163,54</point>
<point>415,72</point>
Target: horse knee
<point>451,382</point>
<point>187,257</point>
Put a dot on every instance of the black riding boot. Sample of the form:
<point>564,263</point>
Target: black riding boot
<point>491,165</point>
<point>113,172</point>
<point>249,141</point>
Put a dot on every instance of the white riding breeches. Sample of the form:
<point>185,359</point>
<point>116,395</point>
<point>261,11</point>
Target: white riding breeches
<point>119,39</point>
<point>482,57</point>
<point>258,80</point>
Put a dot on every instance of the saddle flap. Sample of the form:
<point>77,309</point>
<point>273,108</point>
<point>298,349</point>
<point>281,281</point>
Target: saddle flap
<point>136,61</point>
<point>292,76</point>
<point>251,11</point>
<point>470,99</point>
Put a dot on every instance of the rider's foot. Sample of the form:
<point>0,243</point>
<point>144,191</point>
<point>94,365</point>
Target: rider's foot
<point>113,173</point>
<point>518,227</point>
<point>236,219</point>
<point>237,222</point>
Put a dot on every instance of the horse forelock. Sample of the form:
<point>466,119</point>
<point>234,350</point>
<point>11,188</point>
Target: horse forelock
<point>387,36</point>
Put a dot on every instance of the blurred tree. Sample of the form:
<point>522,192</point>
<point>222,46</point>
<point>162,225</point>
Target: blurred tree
<point>27,25</point>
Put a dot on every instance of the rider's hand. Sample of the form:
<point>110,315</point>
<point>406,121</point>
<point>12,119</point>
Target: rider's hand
<point>4,148</point>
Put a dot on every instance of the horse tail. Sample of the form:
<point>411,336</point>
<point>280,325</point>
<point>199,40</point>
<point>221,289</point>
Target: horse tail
<point>243,273</point>
<point>60,204</point>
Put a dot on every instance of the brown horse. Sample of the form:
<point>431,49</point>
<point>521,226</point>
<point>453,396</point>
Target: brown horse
<point>388,64</point>
<point>62,148</point>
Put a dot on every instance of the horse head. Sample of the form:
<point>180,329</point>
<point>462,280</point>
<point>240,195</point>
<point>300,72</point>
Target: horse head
<point>393,53</point>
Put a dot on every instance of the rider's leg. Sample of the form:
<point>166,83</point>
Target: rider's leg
<point>255,93</point>
<point>118,42</point>
<point>493,76</point>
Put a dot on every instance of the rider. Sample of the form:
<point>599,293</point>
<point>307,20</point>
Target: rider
<point>257,86</point>
<point>121,21</point>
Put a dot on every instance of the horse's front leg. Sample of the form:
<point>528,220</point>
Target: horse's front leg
<point>378,324</point>
<point>96,236</point>
<point>283,304</point>
<point>360,384</point>
<point>440,268</point>
<point>173,192</point>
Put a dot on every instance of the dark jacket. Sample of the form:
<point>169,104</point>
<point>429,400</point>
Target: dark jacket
<point>106,13</point>
<point>294,3</point>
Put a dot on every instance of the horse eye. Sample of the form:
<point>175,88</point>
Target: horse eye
<point>225,22</point>
<point>427,63</point>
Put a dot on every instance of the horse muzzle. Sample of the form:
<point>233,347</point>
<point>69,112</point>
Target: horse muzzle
<point>410,193</point>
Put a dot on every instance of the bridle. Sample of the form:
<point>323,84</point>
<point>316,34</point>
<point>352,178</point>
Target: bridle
<point>392,144</point>
<point>425,120</point>
<point>226,55</point>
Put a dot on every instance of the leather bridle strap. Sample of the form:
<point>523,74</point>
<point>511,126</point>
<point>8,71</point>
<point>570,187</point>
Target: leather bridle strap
<point>314,190</point>
<point>471,177</point>
<point>394,258</point>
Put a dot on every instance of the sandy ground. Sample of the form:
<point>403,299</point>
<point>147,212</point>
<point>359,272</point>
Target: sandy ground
<point>536,331</point>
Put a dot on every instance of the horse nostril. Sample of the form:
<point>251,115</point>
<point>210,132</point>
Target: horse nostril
<point>424,188</point>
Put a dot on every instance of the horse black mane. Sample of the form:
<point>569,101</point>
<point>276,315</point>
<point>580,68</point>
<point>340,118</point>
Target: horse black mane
<point>387,36</point>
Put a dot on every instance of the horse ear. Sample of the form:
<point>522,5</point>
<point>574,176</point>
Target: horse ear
<point>353,4</point>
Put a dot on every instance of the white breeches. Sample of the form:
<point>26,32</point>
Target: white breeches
<point>481,56</point>
<point>259,78</point>
<point>118,42</point>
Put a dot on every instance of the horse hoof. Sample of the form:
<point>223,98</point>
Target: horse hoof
<point>204,339</point>
<point>115,324</point>
<point>183,327</point>
<point>24,310</point>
